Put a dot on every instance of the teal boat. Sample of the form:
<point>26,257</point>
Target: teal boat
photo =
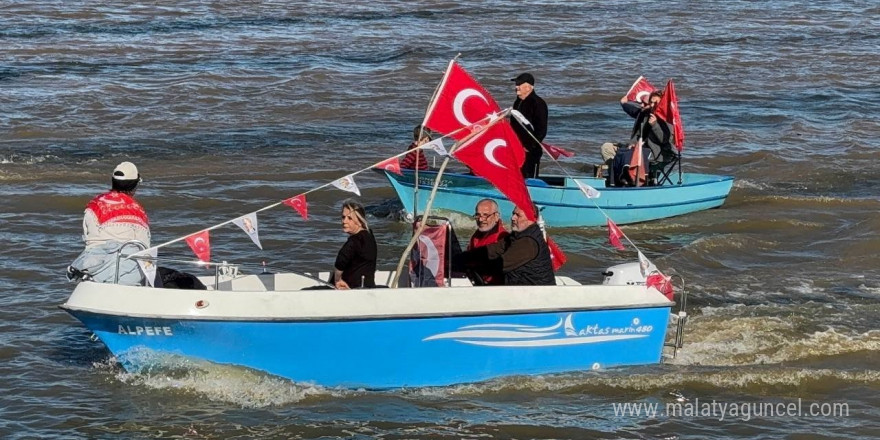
<point>563,204</point>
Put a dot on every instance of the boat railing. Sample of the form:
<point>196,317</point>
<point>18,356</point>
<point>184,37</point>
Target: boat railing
<point>119,256</point>
<point>680,317</point>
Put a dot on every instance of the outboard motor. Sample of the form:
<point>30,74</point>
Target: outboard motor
<point>626,274</point>
<point>630,274</point>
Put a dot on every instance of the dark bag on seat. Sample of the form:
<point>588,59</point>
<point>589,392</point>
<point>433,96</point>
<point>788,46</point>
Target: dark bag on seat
<point>175,279</point>
<point>619,172</point>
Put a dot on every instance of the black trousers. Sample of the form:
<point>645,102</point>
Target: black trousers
<point>532,164</point>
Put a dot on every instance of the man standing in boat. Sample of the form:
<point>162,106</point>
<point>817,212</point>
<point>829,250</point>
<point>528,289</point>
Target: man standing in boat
<point>535,111</point>
<point>110,220</point>
<point>489,230</point>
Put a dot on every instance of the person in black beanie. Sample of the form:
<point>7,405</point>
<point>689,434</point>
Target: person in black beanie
<point>535,110</point>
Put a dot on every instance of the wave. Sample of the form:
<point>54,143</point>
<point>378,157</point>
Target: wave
<point>223,383</point>
<point>26,159</point>
<point>253,389</point>
<point>678,383</point>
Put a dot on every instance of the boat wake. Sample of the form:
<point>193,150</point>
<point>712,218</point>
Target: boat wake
<point>217,382</point>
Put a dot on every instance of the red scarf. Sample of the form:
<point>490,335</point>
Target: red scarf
<point>118,207</point>
<point>481,238</point>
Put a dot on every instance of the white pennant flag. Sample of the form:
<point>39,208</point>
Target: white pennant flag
<point>148,265</point>
<point>437,146</point>
<point>589,191</point>
<point>520,117</point>
<point>347,184</point>
<point>248,224</point>
<point>645,265</point>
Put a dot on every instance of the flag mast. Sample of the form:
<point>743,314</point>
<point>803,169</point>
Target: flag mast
<point>415,236</point>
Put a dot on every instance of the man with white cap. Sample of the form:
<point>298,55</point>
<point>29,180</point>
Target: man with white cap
<point>534,109</point>
<point>110,220</point>
<point>116,215</point>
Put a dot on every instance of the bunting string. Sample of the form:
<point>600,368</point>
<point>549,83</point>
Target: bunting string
<point>151,251</point>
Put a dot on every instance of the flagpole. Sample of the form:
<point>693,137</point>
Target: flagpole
<point>430,203</point>
<point>431,103</point>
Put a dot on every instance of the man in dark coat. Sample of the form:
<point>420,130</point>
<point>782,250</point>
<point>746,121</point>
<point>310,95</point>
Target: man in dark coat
<point>535,111</point>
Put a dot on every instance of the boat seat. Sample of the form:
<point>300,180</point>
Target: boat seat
<point>660,172</point>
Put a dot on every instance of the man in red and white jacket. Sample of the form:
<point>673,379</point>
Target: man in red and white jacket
<point>110,220</point>
<point>116,215</point>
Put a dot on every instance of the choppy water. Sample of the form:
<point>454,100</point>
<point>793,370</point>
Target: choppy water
<point>230,107</point>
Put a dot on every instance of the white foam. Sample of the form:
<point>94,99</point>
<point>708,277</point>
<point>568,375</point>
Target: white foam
<point>25,159</point>
<point>662,378</point>
<point>241,386</point>
<point>748,184</point>
<point>723,337</point>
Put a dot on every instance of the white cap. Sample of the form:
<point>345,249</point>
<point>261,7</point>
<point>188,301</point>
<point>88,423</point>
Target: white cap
<point>126,171</point>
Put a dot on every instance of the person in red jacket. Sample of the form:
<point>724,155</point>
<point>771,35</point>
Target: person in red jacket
<point>489,230</point>
<point>115,215</point>
<point>111,220</point>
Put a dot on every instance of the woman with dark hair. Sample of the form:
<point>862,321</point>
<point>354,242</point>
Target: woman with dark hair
<point>355,265</point>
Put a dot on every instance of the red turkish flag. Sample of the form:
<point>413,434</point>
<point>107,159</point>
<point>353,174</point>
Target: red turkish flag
<point>662,283</point>
<point>640,90</point>
<point>391,164</point>
<point>667,109</point>
<point>637,165</point>
<point>614,235</point>
<point>490,154</point>
<point>431,262</point>
<point>460,102</point>
<point>200,243</point>
<point>557,257</point>
<point>299,204</point>
<point>555,151</point>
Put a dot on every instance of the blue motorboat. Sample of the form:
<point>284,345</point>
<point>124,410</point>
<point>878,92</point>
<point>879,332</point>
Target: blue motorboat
<point>562,202</point>
<point>382,338</point>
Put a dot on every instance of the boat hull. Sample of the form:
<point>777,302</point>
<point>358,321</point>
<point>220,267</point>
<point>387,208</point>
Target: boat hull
<point>374,347</point>
<point>563,204</point>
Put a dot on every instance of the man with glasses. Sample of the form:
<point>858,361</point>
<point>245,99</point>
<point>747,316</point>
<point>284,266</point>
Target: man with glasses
<point>523,256</point>
<point>489,230</point>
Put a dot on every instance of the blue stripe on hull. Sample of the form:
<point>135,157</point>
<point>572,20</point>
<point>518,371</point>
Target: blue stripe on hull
<point>565,206</point>
<point>402,352</point>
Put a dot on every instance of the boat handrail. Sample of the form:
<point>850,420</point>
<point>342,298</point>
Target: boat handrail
<point>680,317</point>
<point>137,243</point>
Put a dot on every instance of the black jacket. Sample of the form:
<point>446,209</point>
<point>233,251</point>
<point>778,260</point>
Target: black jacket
<point>537,271</point>
<point>657,137</point>
<point>535,110</point>
<point>523,257</point>
<point>357,260</point>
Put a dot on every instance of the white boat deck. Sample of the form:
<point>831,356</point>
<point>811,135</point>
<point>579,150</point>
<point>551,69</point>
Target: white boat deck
<point>273,297</point>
